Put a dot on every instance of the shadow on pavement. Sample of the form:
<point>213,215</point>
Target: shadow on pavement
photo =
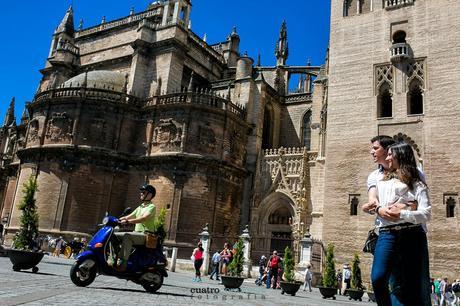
<point>141,291</point>
<point>38,273</point>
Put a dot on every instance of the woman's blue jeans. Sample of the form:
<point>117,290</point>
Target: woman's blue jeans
<point>400,271</point>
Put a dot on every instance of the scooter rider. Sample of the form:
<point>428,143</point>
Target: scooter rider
<point>144,217</point>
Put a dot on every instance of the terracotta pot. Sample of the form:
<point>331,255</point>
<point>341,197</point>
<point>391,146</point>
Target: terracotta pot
<point>328,292</point>
<point>23,260</point>
<point>290,288</point>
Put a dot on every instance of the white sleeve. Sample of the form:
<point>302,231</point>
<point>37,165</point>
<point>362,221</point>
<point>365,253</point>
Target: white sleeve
<point>423,212</point>
<point>372,180</point>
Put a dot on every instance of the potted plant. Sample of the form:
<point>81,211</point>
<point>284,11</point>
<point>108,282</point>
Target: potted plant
<point>356,291</point>
<point>26,253</point>
<point>329,288</point>
<point>234,280</point>
<point>290,286</point>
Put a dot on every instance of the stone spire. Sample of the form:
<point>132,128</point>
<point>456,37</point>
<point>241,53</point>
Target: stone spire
<point>24,116</point>
<point>282,49</point>
<point>9,117</point>
<point>66,24</point>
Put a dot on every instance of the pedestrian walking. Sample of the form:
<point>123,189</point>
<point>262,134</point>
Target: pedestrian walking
<point>215,265</point>
<point>273,263</point>
<point>197,256</point>
<point>262,268</point>
<point>308,277</point>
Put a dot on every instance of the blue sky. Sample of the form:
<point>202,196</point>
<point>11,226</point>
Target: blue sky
<point>26,28</point>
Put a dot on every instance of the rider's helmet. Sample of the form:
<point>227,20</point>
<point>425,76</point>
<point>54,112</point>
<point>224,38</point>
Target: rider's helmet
<point>148,188</point>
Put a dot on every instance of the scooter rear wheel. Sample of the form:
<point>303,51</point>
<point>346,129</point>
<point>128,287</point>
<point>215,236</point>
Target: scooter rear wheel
<point>80,277</point>
<point>153,285</point>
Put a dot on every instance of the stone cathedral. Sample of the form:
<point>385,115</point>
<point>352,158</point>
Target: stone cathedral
<point>230,143</point>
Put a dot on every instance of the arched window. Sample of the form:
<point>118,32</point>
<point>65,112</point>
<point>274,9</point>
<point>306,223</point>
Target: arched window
<point>280,216</point>
<point>415,98</point>
<point>399,37</point>
<point>267,131</point>
<point>347,8</point>
<point>306,130</point>
<point>384,102</point>
<point>450,207</point>
<point>354,202</point>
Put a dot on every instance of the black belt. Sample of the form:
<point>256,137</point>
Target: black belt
<point>399,227</point>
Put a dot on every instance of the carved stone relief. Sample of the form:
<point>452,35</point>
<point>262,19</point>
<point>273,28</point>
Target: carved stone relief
<point>98,130</point>
<point>236,146</point>
<point>168,133</point>
<point>59,127</point>
<point>33,131</point>
<point>206,138</point>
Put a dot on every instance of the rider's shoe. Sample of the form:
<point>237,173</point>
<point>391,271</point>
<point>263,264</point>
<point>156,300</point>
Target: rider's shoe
<point>121,265</point>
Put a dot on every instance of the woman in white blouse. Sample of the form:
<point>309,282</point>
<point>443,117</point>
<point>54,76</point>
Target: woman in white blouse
<point>402,250</point>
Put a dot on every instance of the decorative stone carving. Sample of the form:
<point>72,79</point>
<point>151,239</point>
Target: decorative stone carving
<point>206,138</point>
<point>98,130</point>
<point>59,127</point>
<point>236,147</point>
<point>383,74</point>
<point>168,133</point>
<point>33,131</point>
<point>415,70</point>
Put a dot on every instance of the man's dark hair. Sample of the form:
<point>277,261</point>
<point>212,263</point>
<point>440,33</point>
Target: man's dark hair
<point>384,140</point>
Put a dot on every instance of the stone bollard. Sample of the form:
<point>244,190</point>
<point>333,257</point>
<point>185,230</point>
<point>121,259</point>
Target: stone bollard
<point>305,249</point>
<point>173,260</point>
<point>247,252</point>
<point>206,241</point>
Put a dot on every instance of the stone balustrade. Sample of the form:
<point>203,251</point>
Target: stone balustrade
<point>99,94</point>
<point>67,46</point>
<point>299,97</point>
<point>119,22</point>
<point>399,52</point>
<point>200,97</point>
<point>391,4</point>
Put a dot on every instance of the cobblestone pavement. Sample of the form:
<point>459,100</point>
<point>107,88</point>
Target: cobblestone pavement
<point>52,286</point>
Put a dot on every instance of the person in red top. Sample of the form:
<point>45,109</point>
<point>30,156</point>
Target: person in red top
<point>198,261</point>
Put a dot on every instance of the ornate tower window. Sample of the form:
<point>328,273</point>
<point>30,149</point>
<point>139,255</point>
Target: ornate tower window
<point>267,131</point>
<point>384,102</point>
<point>450,206</point>
<point>383,90</point>
<point>415,98</point>
<point>306,130</point>
<point>353,201</point>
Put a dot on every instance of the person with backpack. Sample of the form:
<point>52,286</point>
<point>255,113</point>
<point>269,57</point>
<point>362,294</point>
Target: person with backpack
<point>273,263</point>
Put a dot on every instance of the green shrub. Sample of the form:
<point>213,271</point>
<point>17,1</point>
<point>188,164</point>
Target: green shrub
<point>329,277</point>
<point>289,273</point>
<point>28,232</point>
<point>236,265</point>
<point>356,280</point>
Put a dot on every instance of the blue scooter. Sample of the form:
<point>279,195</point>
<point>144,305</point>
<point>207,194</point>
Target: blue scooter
<point>146,266</point>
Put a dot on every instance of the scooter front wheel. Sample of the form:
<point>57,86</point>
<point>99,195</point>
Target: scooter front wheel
<point>82,277</point>
<point>152,282</point>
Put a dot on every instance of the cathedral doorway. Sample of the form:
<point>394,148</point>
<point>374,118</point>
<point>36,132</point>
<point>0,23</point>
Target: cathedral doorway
<point>279,225</point>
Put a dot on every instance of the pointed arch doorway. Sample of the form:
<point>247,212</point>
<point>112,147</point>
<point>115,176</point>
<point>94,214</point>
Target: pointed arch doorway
<point>275,222</point>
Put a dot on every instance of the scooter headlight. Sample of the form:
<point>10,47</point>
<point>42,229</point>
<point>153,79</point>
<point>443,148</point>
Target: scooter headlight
<point>105,220</point>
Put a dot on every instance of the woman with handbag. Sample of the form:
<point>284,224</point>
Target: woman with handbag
<point>401,252</point>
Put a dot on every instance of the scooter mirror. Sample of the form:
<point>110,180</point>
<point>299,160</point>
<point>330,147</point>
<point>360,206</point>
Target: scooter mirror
<point>127,211</point>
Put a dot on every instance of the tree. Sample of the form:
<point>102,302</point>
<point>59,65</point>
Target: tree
<point>356,280</point>
<point>28,231</point>
<point>236,266</point>
<point>289,272</point>
<point>329,277</point>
